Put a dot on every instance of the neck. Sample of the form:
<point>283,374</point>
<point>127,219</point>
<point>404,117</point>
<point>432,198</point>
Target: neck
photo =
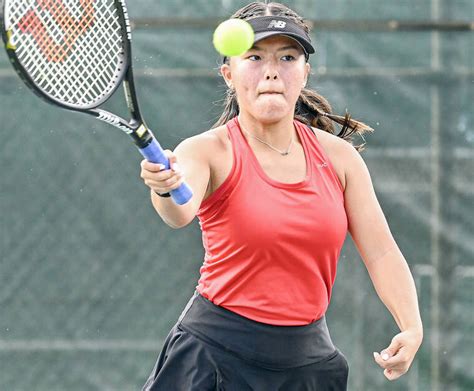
<point>277,133</point>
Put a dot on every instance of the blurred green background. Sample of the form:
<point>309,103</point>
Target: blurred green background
<point>91,280</point>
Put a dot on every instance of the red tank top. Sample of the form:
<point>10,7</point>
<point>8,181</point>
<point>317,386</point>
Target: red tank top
<point>271,248</point>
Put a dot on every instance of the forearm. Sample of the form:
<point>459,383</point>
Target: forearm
<point>174,215</point>
<point>395,286</point>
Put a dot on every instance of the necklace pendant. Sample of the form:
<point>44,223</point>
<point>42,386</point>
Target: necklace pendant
<point>285,153</point>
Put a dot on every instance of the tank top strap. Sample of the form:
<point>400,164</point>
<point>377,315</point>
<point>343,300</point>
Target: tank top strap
<point>319,158</point>
<point>239,150</point>
<point>239,145</point>
<point>309,138</point>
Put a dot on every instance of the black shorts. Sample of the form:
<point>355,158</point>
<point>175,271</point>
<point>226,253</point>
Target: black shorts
<point>212,348</point>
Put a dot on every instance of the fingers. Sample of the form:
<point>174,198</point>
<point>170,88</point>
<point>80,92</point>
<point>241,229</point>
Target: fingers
<point>398,356</point>
<point>393,348</point>
<point>390,371</point>
<point>160,179</point>
<point>392,374</point>
<point>386,356</point>
<point>152,167</point>
<point>173,160</point>
<point>394,365</point>
<point>155,167</point>
<point>163,181</point>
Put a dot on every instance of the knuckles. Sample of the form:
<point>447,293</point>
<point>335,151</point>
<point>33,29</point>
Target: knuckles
<point>158,179</point>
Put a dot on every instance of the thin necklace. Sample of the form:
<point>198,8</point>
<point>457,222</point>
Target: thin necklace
<point>282,153</point>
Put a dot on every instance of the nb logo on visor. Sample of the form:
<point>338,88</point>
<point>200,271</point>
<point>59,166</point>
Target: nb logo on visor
<point>277,24</point>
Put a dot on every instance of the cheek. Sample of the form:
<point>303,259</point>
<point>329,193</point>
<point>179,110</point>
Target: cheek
<point>247,81</point>
<point>293,80</point>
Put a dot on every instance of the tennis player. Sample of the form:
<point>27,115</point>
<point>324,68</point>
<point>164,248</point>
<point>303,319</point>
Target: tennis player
<point>275,192</point>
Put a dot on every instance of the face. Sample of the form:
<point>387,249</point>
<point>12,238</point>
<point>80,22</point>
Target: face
<point>268,78</point>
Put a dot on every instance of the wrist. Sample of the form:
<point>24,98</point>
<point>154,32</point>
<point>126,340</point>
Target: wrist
<point>162,195</point>
<point>416,331</point>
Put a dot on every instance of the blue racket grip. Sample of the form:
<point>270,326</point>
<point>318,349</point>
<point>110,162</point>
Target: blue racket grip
<point>154,154</point>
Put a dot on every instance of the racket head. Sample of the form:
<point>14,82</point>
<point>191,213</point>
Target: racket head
<point>72,53</point>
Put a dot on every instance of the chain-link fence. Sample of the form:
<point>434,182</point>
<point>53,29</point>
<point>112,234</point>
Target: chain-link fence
<point>91,280</point>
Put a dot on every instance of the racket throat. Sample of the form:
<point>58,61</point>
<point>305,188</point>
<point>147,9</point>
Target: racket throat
<point>138,131</point>
<point>142,137</point>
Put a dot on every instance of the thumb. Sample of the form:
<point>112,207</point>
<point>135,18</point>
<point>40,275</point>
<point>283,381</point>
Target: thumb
<point>391,350</point>
<point>173,160</point>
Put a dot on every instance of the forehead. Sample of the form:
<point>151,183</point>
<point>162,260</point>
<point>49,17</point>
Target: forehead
<point>276,42</point>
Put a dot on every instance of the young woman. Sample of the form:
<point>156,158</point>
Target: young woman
<point>275,192</point>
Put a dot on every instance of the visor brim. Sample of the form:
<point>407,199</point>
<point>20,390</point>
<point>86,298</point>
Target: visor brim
<point>306,45</point>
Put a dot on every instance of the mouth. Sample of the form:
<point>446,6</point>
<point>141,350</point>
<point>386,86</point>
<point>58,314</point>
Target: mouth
<point>270,93</point>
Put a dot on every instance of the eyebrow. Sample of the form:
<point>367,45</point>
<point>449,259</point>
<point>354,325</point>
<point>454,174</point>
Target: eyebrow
<point>258,48</point>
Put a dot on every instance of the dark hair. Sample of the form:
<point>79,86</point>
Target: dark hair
<point>311,108</point>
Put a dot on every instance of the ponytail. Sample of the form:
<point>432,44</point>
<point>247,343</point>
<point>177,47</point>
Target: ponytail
<point>314,110</point>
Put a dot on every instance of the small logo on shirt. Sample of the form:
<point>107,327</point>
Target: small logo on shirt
<point>324,165</point>
<point>277,24</point>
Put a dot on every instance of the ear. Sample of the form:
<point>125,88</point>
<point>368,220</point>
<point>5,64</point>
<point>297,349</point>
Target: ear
<point>307,72</point>
<point>226,74</point>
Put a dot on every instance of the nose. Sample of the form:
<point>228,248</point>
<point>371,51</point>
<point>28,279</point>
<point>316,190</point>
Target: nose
<point>271,72</point>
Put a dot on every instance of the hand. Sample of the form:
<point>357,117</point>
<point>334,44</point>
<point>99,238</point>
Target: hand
<point>397,358</point>
<point>160,180</point>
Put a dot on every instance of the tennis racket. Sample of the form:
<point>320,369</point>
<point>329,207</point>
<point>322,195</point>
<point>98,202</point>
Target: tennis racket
<point>75,54</point>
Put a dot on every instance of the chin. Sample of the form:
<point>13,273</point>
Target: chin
<point>273,114</point>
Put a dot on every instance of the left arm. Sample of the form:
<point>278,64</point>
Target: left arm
<point>385,264</point>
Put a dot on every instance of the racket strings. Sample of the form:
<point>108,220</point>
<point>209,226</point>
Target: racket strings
<point>93,84</point>
<point>72,49</point>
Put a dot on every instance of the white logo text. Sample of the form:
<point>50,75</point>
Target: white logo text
<point>277,24</point>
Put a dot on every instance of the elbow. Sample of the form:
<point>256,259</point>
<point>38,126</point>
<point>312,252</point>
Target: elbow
<point>178,224</point>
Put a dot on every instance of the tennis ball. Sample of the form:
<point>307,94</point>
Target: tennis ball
<point>233,37</point>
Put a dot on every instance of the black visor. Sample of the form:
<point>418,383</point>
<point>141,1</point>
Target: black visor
<point>268,26</point>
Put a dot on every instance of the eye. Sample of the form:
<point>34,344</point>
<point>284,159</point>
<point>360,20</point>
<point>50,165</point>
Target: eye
<point>253,57</point>
<point>288,57</point>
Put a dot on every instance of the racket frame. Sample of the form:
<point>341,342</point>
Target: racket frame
<point>136,127</point>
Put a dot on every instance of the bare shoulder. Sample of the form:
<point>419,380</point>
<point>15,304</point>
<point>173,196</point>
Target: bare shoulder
<point>221,159</point>
<point>213,150</point>
<point>331,141</point>
<point>341,153</point>
<point>204,145</point>
<point>219,137</point>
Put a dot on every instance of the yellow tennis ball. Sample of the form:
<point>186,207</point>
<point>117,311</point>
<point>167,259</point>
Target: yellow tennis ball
<point>233,37</point>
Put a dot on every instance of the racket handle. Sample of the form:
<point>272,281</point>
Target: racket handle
<point>154,154</point>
